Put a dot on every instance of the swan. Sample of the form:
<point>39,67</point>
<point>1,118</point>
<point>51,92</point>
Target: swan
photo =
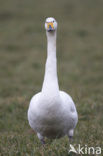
<point>52,112</point>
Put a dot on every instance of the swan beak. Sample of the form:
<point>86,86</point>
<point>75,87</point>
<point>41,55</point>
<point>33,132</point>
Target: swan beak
<point>50,26</point>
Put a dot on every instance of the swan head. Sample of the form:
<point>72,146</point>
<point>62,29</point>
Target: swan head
<point>50,24</point>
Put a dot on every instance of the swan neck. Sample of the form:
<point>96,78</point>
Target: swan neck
<point>51,45</point>
<point>50,83</point>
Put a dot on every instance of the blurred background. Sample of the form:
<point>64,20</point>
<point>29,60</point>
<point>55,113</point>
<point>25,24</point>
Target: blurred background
<point>22,61</point>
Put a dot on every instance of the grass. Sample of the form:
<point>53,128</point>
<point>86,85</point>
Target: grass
<point>22,59</point>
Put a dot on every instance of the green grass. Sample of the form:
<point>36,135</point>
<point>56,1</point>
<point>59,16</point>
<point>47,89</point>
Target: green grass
<point>22,59</point>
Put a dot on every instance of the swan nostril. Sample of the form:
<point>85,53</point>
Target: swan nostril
<point>50,26</point>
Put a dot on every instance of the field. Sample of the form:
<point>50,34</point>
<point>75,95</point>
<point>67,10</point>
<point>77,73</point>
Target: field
<point>22,62</point>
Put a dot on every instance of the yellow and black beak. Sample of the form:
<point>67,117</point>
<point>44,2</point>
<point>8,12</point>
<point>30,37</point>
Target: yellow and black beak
<point>50,26</point>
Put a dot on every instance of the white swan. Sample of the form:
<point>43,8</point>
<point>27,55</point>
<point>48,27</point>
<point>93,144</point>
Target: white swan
<point>52,112</point>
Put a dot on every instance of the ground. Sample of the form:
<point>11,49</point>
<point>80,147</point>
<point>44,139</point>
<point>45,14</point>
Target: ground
<point>22,60</point>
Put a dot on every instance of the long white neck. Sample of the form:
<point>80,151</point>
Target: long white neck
<point>50,83</point>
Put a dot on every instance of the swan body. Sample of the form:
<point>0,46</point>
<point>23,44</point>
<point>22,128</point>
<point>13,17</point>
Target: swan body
<point>52,113</point>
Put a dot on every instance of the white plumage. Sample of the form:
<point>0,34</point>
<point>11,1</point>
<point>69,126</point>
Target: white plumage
<point>52,113</point>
